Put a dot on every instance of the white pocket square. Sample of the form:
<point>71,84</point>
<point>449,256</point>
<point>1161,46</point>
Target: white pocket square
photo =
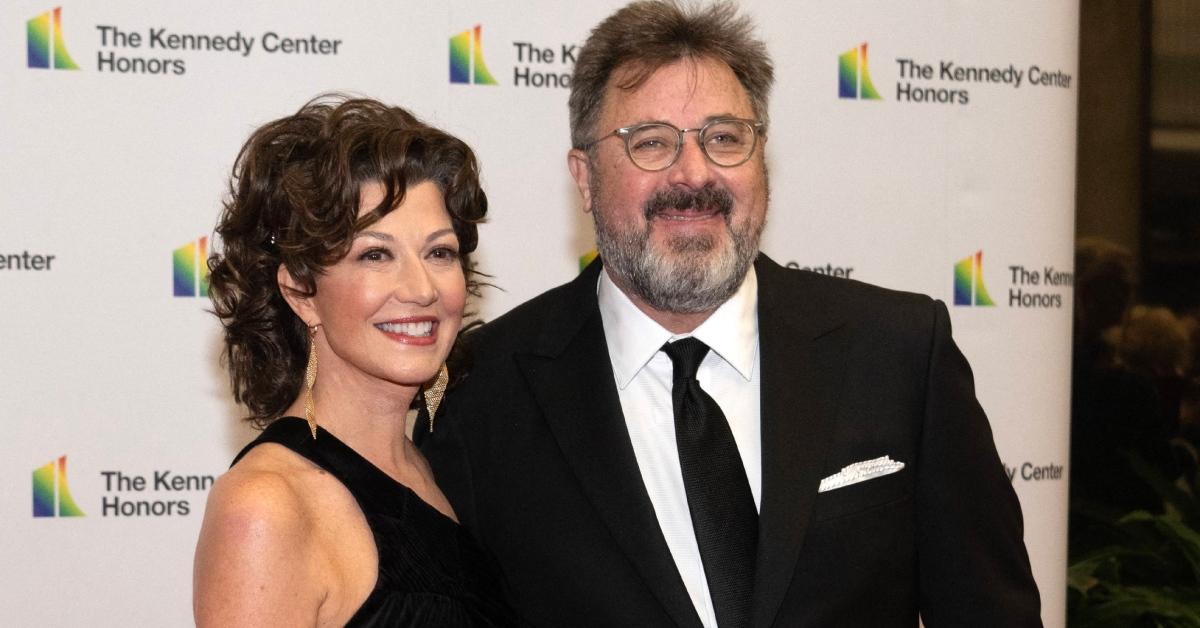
<point>860,472</point>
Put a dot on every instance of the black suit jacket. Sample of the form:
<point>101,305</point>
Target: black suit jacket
<point>533,452</point>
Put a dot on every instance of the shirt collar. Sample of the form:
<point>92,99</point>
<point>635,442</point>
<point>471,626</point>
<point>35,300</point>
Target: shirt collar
<point>633,338</point>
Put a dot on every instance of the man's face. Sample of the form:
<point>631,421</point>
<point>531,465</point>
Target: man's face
<point>680,239</point>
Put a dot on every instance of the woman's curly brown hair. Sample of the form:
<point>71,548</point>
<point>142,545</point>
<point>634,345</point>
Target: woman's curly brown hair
<point>294,199</point>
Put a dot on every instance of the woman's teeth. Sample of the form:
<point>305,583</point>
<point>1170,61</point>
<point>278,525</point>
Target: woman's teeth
<point>423,328</point>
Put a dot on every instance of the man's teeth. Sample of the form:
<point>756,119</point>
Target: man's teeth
<point>423,328</point>
<point>690,213</point>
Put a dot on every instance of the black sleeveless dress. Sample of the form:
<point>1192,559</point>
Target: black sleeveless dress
<point>431,572</point>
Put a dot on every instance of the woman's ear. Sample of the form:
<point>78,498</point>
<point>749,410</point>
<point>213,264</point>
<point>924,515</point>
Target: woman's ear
<point>296,297</point>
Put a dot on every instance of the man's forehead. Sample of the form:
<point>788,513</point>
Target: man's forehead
<point>703,83</point>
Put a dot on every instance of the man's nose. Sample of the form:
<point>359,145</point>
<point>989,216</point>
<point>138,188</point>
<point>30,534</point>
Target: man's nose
<point>692,169</point>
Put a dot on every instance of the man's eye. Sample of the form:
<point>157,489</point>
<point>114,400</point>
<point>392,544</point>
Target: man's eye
<point>649,144</point>
<point>724,139</point>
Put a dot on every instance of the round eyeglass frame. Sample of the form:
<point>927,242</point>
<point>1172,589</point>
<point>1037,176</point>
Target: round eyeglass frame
<point>626,132</point>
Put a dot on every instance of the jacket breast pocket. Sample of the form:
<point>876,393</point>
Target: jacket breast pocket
<point>862,496</point>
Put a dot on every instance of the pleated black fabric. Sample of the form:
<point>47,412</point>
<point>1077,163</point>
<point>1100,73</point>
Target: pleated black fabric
<point>431,572</point>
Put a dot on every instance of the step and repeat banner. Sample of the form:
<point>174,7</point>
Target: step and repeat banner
<point>927,146</point>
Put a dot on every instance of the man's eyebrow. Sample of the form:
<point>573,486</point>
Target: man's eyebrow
<point>707,119</point>
<point>641,122</point>
<point>720,116</point>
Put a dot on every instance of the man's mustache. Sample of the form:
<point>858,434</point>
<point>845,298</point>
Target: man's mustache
<point>706,199</point>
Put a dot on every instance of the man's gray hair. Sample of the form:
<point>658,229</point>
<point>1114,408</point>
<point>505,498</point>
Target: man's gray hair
<point>647,35</point>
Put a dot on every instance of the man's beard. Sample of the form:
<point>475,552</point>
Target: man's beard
<point>696,273</point>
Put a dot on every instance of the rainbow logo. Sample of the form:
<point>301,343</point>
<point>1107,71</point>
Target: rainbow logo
<point>854,78</point>
<point>44,42</point>
<point>191,269</point>
<point>51,495</point>
<point>968,281</point>
<point>587,258</point>
<point>466,59</point>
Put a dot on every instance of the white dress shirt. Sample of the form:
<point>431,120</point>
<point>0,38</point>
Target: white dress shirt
<point>729,373</point>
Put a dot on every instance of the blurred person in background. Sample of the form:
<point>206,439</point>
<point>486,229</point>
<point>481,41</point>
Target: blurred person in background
<point>1117,411</point>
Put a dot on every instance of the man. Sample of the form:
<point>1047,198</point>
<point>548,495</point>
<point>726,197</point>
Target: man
<point>664,440</point>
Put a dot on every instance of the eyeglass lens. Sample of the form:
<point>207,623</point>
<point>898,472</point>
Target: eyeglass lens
<point>726,142</point>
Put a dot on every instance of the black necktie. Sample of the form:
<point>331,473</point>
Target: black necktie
<point>718,493</point>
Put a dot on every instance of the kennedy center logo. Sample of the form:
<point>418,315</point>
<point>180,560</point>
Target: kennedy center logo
<point>44,42</point>
<point>854,78</point>
<point>191,269</point>
<point>466,59</point>
<point>51,496</point>
<point>968,282</point>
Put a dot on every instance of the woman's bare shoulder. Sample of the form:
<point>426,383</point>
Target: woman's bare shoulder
<point>270,489</point>
<point>257,559</point>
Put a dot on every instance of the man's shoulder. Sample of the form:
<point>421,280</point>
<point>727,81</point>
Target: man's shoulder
<point>521,328</point>
<point>839,295</point>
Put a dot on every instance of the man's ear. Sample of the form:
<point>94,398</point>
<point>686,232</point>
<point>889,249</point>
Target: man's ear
<point>293,293</point>
<point>580,167</point>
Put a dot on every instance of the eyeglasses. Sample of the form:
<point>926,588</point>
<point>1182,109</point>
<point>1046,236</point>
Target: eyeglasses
<point>654,146</point>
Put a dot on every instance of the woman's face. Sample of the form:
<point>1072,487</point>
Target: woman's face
<point>391,308</point>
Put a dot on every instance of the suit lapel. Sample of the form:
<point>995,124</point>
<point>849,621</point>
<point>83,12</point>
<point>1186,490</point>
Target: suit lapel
<point>571,376</point>
<point>801,362</point>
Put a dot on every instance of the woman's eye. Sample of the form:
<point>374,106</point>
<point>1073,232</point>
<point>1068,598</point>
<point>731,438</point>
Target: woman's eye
<point>374,255</point>
<point>444,253</point>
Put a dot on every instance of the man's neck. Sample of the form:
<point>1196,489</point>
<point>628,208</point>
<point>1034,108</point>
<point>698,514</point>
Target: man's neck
<point>674,322</point>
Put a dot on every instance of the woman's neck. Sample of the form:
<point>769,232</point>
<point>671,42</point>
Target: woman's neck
<point>367,414</point>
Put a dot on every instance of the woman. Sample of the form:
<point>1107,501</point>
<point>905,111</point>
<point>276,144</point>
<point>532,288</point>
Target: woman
<point>341,289</point>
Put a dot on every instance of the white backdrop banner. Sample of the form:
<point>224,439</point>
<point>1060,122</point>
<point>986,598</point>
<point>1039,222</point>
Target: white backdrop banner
<point>927,146</point>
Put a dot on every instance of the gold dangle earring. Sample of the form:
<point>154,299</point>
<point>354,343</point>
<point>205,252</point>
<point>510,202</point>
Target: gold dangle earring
<point>310,377</point>
<point>434,391</point>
